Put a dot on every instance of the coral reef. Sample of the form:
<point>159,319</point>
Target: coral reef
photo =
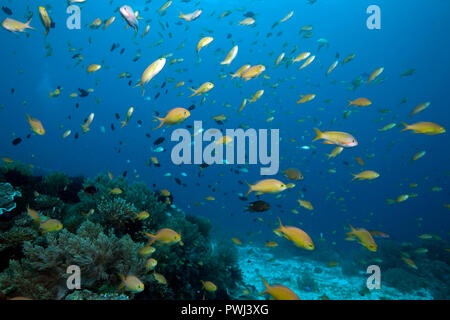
<point>7,194</point>
<point>102,236</point>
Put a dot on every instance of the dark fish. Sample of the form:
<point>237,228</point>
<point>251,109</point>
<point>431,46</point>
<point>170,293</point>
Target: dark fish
<point>178,181</point>
<point>112,47</point>
<point>159,141</point>
<point>83,93</point>
<point>76,135</point>
<point>139,122</point>
<point>69,117</point>
<point>112,126</point>
<point>346,163</point>
<point>122,51</point>
<point>163,85</point>
<point>337,55</point>
<point>77,105</point>
<point>90,190</point>
<point>157,95</point>
<point>229,36</point>
<point>249,14</point>
<point>12,90</point>
<point>124,174</point>
<point>117,116</point>
<point>75,56</point>
<point>52,25</point>
<point>147,135</point>
<point>16,141</point>
<point>129,83</point>
<point>7,10</point>
<point>258,206</point>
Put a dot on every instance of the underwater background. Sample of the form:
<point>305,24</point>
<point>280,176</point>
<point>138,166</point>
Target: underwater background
<point>225,240</point>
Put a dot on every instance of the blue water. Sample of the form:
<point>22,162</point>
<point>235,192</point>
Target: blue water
<point>413,34</point>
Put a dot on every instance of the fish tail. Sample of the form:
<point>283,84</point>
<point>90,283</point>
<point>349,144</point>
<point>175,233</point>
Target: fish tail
<point>406,127</point>
<point>122,284</point>
<point>281,225</point>
<point>266,284</point>
<point>124,123</point>
<point>350,102</point>
<point>355,176</point>
<point>27,25</point>
<point>161,124</point>
<point>251,188</point>
<point>353,229</point>
<point>181,15</point>
<point>318,134</point>
<point>195,92</point>
<point>150,236</point>
<point>28,116</point>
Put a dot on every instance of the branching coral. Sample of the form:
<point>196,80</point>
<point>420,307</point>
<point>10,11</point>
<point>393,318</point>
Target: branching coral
<point>41,274</point>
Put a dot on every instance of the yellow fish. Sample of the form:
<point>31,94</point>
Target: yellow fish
<point>16,26</point>
<point>267,186</point>
<point>174,116</point>
<point>36,126</point>
<point>204,88</point>
<point>428,128</point>
<point>151,71</point>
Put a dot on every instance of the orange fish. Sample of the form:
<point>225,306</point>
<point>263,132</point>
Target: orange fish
<point>36,126</point>
<point>279,292</point>
<point>360,102</point>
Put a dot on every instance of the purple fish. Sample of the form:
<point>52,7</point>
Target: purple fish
<point>128,14</point>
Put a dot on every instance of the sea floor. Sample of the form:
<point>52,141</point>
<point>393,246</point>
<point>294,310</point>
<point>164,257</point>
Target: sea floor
<point>330,282</point>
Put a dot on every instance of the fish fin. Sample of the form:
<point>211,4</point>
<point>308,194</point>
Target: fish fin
<point>27,25</point>
<point>355,176</point>
<point>406,127</point>
<point>122,284</point>
<point>161,124</point>
<point>353,229</point>
<point>28,116</point>
<point>318,134</point>
<point>124,123</point>
<point>251,188</point>
<point>349,103</point>
<point>195,92</point>
<point>140,83</point>
<point>151,236</point>
<point>327,142</point>
<point>281,225</point>
<point>266,284</point>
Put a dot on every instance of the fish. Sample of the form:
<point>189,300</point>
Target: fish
<point>279,292</point>
<point>174,116</point>
<point>341,139</point>
<point>16,26</point>
<point>129,16</point>
<point>151,71</point>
